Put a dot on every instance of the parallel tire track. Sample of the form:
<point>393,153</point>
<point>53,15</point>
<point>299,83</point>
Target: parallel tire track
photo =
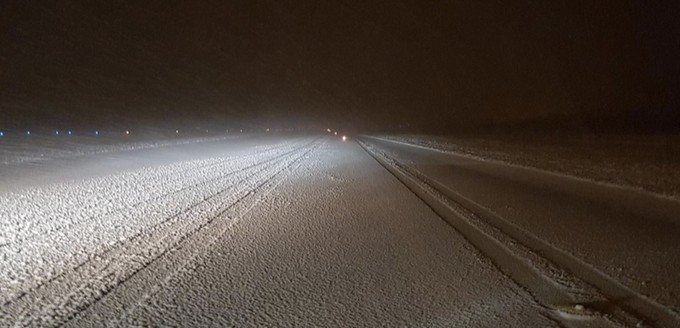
<point>196,170</point>
<point>40,282</point>
<point>103,271</point>
<point>228,218</point>
<point>622,306</point>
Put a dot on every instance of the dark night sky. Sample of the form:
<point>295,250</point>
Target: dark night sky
<point>354,64</point>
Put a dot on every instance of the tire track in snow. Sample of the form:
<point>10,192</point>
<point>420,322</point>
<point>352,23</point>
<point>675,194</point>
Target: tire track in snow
<point>533,263</point>
<point>21,215</point>
<point>147,183</point>
<point>237,211</point>
<point>33,279</point>
<point>52,228</point>
<point>57,302</point>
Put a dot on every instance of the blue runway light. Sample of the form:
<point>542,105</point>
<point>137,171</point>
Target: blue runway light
<point>70,133</point>
<point>2,134</point>
<point>96,133</point>
<point>56,133</point>
<point>28,133</point>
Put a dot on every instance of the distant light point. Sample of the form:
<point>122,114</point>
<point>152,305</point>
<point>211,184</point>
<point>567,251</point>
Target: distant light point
<point>127,132</point>
<point>28,133</point>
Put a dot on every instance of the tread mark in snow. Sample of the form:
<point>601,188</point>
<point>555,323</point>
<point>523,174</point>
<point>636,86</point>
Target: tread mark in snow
<point>63,308</point>
<point>495,236</point>
<point>38,283</point>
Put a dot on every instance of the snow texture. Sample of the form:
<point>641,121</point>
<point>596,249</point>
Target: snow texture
<point>650,163</point>
<point>274,231</point>
<point>605,245</point>
<point>38,148</point>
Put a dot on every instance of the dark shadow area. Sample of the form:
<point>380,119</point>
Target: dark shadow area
<point>401,66</point>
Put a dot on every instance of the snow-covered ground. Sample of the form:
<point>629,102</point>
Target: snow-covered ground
<point>41,147</point>
<point>613,249</point>
<point>648,162</point>
<point>285,230</point>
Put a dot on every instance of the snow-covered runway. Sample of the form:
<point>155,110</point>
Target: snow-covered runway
<point>270,230</point>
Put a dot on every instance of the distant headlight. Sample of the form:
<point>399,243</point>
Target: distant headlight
<point>344,138</point>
